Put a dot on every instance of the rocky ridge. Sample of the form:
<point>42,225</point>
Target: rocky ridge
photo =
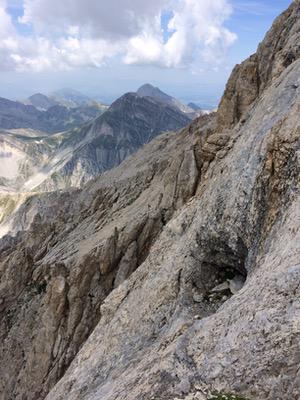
<point>176,274</point>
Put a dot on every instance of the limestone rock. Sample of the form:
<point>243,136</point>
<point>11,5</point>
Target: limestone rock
<point>105,290</point>
<point>222,287</point>
<point>248,80</point>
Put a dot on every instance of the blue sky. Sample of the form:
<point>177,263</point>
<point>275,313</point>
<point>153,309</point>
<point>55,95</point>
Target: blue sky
<point>200,80</point>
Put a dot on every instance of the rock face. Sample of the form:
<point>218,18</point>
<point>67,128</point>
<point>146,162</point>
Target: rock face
<point>152,185</point>
<point>174,275</point>
<point>248,80</point>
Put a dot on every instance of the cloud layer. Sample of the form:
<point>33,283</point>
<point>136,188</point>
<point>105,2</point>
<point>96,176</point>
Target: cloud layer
<point>87,33</point>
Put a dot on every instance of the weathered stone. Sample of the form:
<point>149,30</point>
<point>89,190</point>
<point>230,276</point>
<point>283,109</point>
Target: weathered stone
<point>248,80</point>
<point>119,305</point>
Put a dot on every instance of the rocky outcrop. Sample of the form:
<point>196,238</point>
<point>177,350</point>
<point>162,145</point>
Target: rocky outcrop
<point>248,80</point>
<point>173,276</point>
<point>167,330</point>
<point>61,287</point>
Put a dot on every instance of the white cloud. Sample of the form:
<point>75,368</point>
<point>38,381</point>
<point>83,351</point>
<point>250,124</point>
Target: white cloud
<point>198,31</point>
<point>78,33</point>
<point>101,18</point>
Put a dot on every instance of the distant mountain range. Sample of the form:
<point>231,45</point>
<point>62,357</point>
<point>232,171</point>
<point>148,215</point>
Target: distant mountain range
<point>68,98</point>
<point>43,113</point>
<point>32,159</point>
<point>67,108</point>
<point>194,106</point>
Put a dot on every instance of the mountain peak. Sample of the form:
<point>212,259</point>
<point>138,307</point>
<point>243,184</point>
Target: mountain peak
<point>41,101</point>
<point>147,86</point>
<point>38,95</point>
<point>149,90</point>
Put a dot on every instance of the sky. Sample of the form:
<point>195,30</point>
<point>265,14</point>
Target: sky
<point>106,48</point>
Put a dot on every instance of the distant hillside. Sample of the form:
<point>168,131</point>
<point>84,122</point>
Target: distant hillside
<point>194,106</point>
<point>71,98</point>
<point>40,101</point>
<point>42,113</point>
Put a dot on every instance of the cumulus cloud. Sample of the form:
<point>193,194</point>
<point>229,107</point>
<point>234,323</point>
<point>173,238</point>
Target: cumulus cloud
<point>102,19</point>
<point>197,28</point>
<point>78,33</point>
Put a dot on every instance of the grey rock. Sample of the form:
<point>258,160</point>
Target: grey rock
<point>222,287</point>
<point>236,283</point>
<point>249,79</point>
<point>168,223</point>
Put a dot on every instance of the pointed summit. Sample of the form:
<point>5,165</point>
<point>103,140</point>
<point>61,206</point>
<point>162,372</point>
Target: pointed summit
<point>149,90</point>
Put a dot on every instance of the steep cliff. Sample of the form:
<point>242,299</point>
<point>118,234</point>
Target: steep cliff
<point>175,275</point>
<point>280,48</point>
